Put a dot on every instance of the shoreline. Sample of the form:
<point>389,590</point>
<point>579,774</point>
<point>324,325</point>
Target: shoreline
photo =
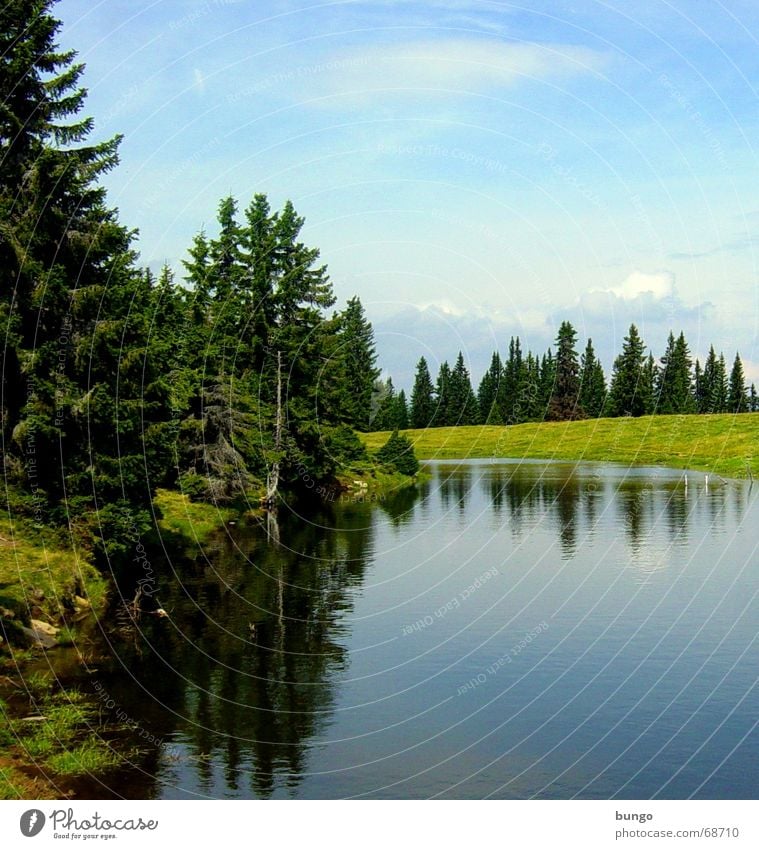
<point>566,461</point>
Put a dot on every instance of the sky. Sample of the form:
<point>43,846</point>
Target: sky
<point>472,170</point>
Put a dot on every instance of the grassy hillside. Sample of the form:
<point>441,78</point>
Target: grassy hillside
<point>722,444</point>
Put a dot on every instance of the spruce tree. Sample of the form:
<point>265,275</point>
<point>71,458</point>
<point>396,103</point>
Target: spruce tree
<point>462,403</point>
<point>73,308</point>
<point>753,400</point>
<point>398,454</point>
<point>217,460</point>
<point>298,334</point>
<point>529,392</point>
<point>384,418</point>
<point>264,352</point>
<point>422,402</point>
<point>546,383</point>
<point>401,420</point>
<point>683,396</point>
<point>674,389</point>
<point>627,394</point>
<point>698,387</point>
<point>592,383</point>
<point>487,392</point>
<point>663,376</point>
<point>443,409</point>
<point>715,386</point>
<point>737,396</point>
<point>359,363</point>
<point>649,376</point>
<point>565,398</point>
<point>507,396</point>
<point>392,412</point>
<point>707,383</point>
<point>720,387</point>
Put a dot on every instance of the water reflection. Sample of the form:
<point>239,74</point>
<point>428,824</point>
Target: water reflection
<point>248,667</point>
<point>454,484</point>
<point>634,502</point>
<point>245,681</point>
<point>567,501</point>
<point>573,493</point>
<point>399,507</point>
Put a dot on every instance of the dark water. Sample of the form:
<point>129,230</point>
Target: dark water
<point>508,631</point>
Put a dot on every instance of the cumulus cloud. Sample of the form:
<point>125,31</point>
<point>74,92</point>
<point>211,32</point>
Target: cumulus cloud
<point>652,303</point>
<point>443,306</point>
<point>438,330</point>
<point>411,331</point>
<point>659,285</point>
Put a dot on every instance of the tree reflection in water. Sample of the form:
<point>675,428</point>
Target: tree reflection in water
<point>244,677</point>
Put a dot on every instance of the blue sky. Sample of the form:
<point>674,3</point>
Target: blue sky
<point>472,170</point>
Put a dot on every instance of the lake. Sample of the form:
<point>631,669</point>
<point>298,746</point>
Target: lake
<point>505,630</point>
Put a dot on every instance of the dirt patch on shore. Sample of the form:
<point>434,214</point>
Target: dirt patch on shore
<point>21,781</point>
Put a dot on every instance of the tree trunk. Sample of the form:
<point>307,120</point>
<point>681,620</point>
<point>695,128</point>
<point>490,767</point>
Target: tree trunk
<point>272,478</point>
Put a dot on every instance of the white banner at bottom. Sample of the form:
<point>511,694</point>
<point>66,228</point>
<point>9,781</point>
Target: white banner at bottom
<point>337,824</point>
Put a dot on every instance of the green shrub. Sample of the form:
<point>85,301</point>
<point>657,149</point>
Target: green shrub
<point>398,454</point>
<point>344,445</point>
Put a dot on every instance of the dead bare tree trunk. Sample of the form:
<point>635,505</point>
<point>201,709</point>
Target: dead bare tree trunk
<point>272,526</point>
<point>272,478</point>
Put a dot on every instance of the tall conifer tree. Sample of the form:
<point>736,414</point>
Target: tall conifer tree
<point>401,411</point>
<point>462,403</point>
<point>737,397</point>
<point>627,394</point>
<point>507,396</point>
<point>565,399</point>
<point>443,409</point>
<point>487,392</point>
<point>546,383</point>
<point>592,383</point>
<point>359,357</point>
<point>422,402</point>
<point>674,384</point>
<point>384,394</point>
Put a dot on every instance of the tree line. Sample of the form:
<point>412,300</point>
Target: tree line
<point>565,385</point>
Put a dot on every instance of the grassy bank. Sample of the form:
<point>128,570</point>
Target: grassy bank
<point>190,522</point>
<point>44,575</point>
<point>50,737</point>
<point>48,577</point>
<point>374,483</point>
<point>55,738</point>
<point>722,444</point>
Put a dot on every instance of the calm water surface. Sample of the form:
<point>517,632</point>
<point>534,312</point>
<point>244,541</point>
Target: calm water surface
<point>509,630</point>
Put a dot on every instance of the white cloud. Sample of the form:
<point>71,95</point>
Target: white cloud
<point>750,370</point>
<point>461,64</point>
<point>659,285</point>
<point>443,306</point>
<point>410,331</point>
<point>438,331</point>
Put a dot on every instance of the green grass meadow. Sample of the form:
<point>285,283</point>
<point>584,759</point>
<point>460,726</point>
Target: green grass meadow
<point>725,444</point>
